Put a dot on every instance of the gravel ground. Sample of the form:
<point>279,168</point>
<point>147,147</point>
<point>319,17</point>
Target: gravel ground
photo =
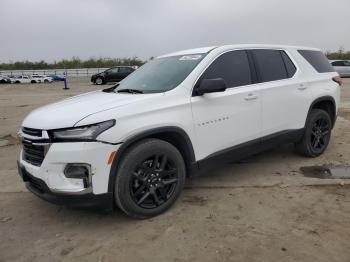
<point>260,209</point>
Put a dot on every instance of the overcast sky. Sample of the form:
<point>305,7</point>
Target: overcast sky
<point>56,29</point>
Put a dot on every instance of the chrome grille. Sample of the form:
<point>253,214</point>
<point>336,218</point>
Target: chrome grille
<point>32,132</point>
<point>35,144</point>
<point>33,154</point>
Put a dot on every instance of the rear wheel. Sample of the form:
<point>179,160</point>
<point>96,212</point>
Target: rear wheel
<point>149,179</point>
<point>317,134</point>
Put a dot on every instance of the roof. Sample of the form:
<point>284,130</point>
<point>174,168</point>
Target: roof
<point>203,50</point>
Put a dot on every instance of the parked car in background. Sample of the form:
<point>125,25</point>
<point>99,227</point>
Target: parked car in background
<point>12,78</point>
<point>115,74</point>
<point>41,79</point>
<point>22,79</point>
<point>5,80</point>
<point>342,67</point>
<point>57,77</point>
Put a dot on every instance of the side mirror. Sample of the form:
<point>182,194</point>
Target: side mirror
<point>210,86</point>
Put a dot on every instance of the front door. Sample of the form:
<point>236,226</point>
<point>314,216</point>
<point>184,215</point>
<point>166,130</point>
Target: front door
<point>227,119</point>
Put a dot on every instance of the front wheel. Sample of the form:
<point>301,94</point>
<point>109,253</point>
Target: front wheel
<point>99,81</point>
<point>317,134</point>
<point>149,179</point>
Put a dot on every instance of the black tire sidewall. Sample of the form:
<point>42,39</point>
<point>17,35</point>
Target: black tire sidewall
<point>132,157</point>
<point>315,115</point>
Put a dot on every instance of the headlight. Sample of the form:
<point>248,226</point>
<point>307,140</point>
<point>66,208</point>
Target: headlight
<point>81,133</point>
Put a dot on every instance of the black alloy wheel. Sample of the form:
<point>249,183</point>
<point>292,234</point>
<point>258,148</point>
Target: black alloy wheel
<point>320,134</point>
<point>317,134</point>
<point>153,181</point>
<point>149,178</point>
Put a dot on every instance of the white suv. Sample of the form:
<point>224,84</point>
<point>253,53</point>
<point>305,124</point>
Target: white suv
<point>134,144</point>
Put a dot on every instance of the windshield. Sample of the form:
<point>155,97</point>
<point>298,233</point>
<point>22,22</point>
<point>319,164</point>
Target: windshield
<point>161,74</point>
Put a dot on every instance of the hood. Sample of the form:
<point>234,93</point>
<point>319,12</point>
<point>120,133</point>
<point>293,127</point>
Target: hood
<point>68,112</point>
<point>99,74</point>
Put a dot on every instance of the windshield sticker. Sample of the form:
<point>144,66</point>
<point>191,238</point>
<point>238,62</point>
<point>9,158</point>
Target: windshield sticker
<point>190,57</point>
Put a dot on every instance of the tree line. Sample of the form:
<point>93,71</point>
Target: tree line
<point>76,62</point>
<point>72,63</point>
<point>341,54</point>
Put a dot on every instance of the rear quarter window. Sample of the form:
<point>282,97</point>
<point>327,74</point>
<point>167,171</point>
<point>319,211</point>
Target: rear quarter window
<point>318,60</point>
<point>291,69</point>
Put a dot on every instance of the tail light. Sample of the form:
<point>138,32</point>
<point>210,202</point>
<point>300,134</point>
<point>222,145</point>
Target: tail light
<point>338,80</point>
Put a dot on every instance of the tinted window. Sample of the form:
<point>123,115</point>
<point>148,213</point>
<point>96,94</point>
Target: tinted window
<point>346,63</point>
<point>270,65</point>
<point>124,69</point>
<point>318,60</point>
<point>114,70</point>
<point>291,69</point>
<point>233,67</point>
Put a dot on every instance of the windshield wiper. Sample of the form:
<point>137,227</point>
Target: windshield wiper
<point>130,90</point>
<point>110,89</point>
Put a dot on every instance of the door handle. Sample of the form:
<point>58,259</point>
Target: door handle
<point>250,97</point>
<point>302,87</point>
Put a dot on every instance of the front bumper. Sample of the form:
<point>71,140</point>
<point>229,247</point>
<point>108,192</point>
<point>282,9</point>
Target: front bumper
<point>49,182</point>
<point>40,189</point>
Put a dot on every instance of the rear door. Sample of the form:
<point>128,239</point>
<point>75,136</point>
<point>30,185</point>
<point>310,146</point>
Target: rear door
<point>225,119</point>
<point>285,100</point>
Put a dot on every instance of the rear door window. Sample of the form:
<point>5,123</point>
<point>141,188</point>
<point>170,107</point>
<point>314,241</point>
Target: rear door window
<point>318,60</point>
<point>270,65</point>
<point>233,67</point>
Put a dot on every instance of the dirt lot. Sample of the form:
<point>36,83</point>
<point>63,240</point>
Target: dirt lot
<point>261,209</point>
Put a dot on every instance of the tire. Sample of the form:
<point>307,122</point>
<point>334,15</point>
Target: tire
<point>33,81</point>
<point>46,81</point>
<point>317,134</point>
<point>17,82</point>
<point>99,81</point>
<point>147,183</point>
